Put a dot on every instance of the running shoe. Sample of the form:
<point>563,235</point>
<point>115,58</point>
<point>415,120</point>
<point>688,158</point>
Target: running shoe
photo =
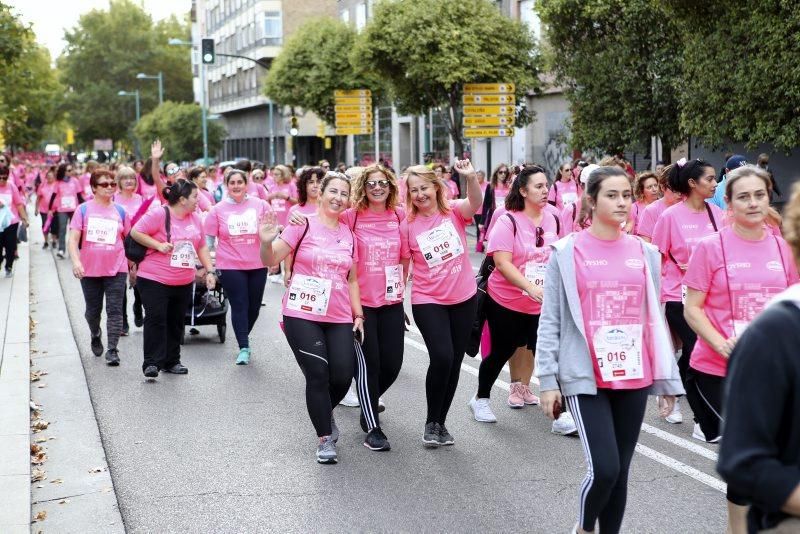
<point>515,396</point>
<point>430,436</point>
<point>481,410</point>
<point>60,255</point>
<point>326,451</point>
<point>564,425</point>
<point>9,273</point>
<point>376,440</point>
<point>351,399</point>
<point>244,356</point>
<point>445,438</point>
<point>151,371</point>
<point>528,396</point>
<point>381,405</point>
<point>138,320</point>
<point>675,417</point>
<point>698,434</point>
<point>126,330</point>
<point>112,357</point>
<point>97,344</point>
<point>177,369</point>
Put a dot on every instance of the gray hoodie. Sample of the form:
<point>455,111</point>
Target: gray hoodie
<point>563,360</point>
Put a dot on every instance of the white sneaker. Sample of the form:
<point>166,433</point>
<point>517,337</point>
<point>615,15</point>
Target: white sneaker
<point>675,417</point>
<point>351,399</point>
<point>60,255</point>
<point>482,411</point>
<point>564,425</point>
<point>698,434</point>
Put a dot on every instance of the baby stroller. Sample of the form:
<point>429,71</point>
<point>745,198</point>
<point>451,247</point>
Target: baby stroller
<point>208,307</point>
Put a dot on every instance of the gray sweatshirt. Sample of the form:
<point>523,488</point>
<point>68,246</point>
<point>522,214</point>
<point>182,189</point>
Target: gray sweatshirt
<point>563,360</point>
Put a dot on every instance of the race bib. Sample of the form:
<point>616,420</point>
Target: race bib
<point>440,245</point>
<point>244,224</point>
<point>618,349</point>
<point>68,203</point>
<point>101,231</point>
<point>6,200</point>
<point>534,272</point>
<point>394,283</point>
<point>500,200</point>
<point>183,255</point>
<point>569,198</point>
<point>309,294</point>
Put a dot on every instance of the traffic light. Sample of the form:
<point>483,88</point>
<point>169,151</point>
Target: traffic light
<point>294,128</point>
<point>207,49</point>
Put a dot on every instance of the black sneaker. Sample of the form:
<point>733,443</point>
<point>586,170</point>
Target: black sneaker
<point>46,245</point>
<point>126,330</point>
<point>112,357</point>
<point>151,371</point>
<point>177,369</point>
<point>138,320</point>
<point>376,440</point>
<point>430,436</point>
<point>444,436</point>
<point>97,344</point>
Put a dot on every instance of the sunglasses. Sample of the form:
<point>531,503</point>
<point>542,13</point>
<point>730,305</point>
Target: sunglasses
<point>106,184</point>
<point>539,237</point>
<point>172,172</point>
<point>502,172</point>
<point>372,184</point>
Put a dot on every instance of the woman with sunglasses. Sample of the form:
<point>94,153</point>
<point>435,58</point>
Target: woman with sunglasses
<point>495,194</point>
<point>11,199</point>
<point>519,243</point>
<point>44,194</point>
<point>98,259</point>
<point>68,195</point>
<point>234,223</point>
<point>174,235</point>
<point>566,190</point>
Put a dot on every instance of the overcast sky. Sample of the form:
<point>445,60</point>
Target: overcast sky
<point>51,17</point>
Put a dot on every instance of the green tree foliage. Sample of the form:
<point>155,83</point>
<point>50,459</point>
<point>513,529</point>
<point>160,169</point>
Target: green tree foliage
<point>179,127</point>
<point>314,63</point>
<point>619,61</point>
<point>13,36</point>
<point>741,77</point>
<point>425,50</point>
<point>105,52</point>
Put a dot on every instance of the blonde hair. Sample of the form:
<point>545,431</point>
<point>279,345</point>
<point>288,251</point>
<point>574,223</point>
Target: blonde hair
<point>125,172</point>
<point>286,174</point>
<point>359,198</point>
<point>354,173</point>
<point>427,175</point>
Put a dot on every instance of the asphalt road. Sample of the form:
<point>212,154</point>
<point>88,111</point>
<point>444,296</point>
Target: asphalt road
<point>231,449</point>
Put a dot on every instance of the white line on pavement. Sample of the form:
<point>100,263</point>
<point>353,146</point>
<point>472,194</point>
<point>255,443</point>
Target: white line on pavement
<point>680,442</point>
<point>672,463</point>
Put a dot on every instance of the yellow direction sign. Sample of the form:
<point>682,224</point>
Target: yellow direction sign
<point>470,133</point>
<point>489,110</point>
<point>351,108</point>
<point>353,100</point>
<point>481,88</point>
<point>352,92</point>
<point>353,131</point>
<point>353,124</point>
<point>361,116</point>
<point>499,120</point>
<point>489,99</point>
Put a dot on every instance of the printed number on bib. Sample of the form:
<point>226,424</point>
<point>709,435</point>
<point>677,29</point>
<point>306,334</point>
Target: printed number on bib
<point>244,224</point>
<point>68,202</point>
<point>618,349</point>
<point>309,294</point>
<point>183,255</point>
<point>394,283</point>
<point>534,272</point>
<point>440,245</point>
<point>569,198</point>
<point>103,231</point>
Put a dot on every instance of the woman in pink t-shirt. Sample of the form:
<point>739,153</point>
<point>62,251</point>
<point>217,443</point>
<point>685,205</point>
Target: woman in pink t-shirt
<point>98,261</point>
<point>434,237</point>
<point>44,197</point>
<point>284,194</point>
<point>68,196</point>
<point>322,307</point>
<point>14,202</point>
<point>205,199</point>
<point>495,194</point>
<point>519,243</point>
<point>307,195</point>
<point>566,190</point>
<point>676,235</point>
<point>603,341</point>
<point>174,235</point>
<point>646,192</point>
<point>646,221</point>
<point>234,222</point>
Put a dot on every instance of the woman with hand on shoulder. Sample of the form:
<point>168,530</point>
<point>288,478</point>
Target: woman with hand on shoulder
<point>322,307</point>
<point>603,342</point>
<point>433,236</point>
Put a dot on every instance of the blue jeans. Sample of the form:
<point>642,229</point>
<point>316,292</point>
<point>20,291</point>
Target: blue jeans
<point>244,290</point>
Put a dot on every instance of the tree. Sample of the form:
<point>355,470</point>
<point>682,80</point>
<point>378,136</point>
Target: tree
<point>15,35</point>
<point>104,53</point>
<point>426,50</point>
<point>314,63</point>
<point>179,127</point>
<point>741,79</point>
<point>620,63</point>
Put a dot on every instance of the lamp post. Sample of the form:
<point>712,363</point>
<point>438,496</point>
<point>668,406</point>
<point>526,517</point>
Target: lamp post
<point>138,111</point>
<point>160,78</point>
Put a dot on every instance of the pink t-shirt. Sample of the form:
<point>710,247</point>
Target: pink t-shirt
<point>281,206</point>
<point>256,190</point>
<point>86,186</point>
<point>500,194</point>
<point>102,231</point>
<point>145,189</point>
<point>611,282</point>
<point>451,189</point>
<point>204,204</point>
<point>236,227</point>
<point>380,276</point>
<point>646,221</point>
<point>677,233</point>
<point>67,195</point>
<point>530,260</point>
<point>637,209</point>
<point>130,204</point>
<point>442,272</point>
<point>176,268</point>
<point>308,209</point>
<point>43,196</point>
<point>484,185</point>
<point>319,289</point>
<point>563,193</point>
<point>10,197</point>
<point>756,272</point>
<point>569,219</point>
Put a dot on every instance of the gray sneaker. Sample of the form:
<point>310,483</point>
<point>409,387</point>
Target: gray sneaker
<point>326,452</point>
<point>334,430</point>
<point>444,436</point>
<point>430,436</point>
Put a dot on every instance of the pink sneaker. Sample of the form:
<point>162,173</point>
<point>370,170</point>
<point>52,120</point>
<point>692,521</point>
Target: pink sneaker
<point>515,396</point>
<point>528,397</point>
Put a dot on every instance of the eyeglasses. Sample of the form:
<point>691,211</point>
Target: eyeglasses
<point>539,237</point>
<point>566,169</point>
<point>502,172</point>
<point>106,184</point>
<point>172,172</point>
<point>372,184</point>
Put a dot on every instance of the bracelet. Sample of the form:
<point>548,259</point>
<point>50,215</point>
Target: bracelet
<point>359,316</point>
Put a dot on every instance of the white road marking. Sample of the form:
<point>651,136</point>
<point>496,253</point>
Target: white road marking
<point>680,442</point>
<point>672,463</point>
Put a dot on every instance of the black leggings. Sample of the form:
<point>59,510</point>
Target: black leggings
<point>608,425</point>
<point>508,330</point>
<point>8,245</point>
<point>383,350</point>
<point>325,354</point>
<point>677,323</point>
<point>445,329</point>
<point>704,393</point>
<point>244,290</point>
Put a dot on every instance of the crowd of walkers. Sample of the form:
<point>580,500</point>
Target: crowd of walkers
<point>606,285</point>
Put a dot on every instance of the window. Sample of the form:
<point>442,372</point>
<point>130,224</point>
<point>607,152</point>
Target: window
<point>273,28</point>
<point>361,15</point>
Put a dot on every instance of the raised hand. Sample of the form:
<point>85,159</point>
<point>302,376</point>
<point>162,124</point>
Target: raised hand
<point>268,229</point>
<point>464,166</point>
<point>156,151</point>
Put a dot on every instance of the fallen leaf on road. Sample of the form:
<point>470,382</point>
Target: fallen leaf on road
<point>40,386</point>
<point>39,458</point>
<point>64,501</point>
<point>40,516</point>
<point>97,470</point>
<point>41,440</point>
<point>35,376</point>
<point>38,475</point>
<point>57,481</point>
<point>35,406</point>
<point>39,425</point>
<point>35,449</point>
<point>39,486</point>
